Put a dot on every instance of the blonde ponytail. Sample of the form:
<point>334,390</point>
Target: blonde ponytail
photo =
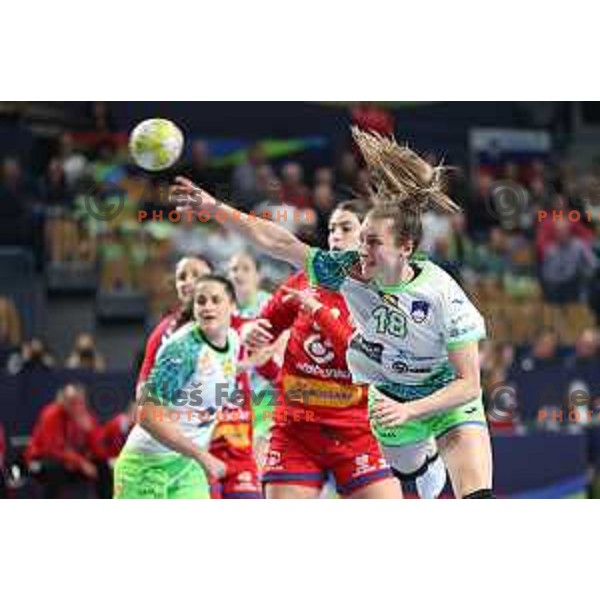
<point>400,177</point>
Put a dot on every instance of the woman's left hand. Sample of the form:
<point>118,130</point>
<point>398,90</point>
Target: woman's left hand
<point>389,413</point>
<point>307,298</point>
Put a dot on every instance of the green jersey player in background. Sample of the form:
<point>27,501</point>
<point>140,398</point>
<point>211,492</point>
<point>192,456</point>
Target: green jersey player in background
<point>244,271</point>
<point>417,334</point>
<point>166,453</point>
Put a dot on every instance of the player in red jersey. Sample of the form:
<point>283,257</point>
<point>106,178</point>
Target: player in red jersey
<point>187,273</point>
<point>320,419</point>
<point>233,437</point>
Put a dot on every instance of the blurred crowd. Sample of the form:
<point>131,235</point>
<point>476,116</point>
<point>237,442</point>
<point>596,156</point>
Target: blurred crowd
<point>34,355</point>
<point>69,450</point>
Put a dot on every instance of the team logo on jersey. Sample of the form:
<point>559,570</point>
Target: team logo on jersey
<point>228,368</point>
<point>274,460</point>
<point>419,311</point>
<point>319,349</point>
<point>373,350</point>
<point>362,465</point>
<point>399,366</point>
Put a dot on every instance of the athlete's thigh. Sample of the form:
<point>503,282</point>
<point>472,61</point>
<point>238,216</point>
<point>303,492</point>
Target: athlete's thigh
<point>357,463</point>
<point>293,467</point>
<point>137,480</point>
<point>467,453</point>
<point>242,479</point>
<point>386,489</point>
<point>279,491</point>
<point>191,484</point>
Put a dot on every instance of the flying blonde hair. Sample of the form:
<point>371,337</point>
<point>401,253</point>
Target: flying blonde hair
<point>399,177</point>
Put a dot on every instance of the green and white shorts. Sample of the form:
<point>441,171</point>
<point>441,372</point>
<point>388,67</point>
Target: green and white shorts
<point>436,426</point>
<point>159,476</point>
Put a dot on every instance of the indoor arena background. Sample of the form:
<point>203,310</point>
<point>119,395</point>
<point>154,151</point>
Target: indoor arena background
<point>83,277</point>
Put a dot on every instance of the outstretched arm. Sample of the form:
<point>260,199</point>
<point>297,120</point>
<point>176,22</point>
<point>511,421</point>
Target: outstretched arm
<point>268,236</point>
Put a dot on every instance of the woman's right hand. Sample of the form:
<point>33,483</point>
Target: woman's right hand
<point>187,196</point>
<point>256,335</point>
<point>214,467</point>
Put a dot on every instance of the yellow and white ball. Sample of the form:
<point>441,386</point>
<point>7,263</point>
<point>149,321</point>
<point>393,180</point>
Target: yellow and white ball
<point>156,144</point>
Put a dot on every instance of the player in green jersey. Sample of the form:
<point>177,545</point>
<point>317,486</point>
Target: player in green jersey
<point>417,334</point>
<point>166,453</point>
<point>244,272</point>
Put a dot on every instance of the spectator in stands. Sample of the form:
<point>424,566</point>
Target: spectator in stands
<point>85,355</point>
<point>245,189</point>
<point>10,323</point>
<point>323,204</point>
<point>567,264</point>
<point>345,175</point>
<point>436,227</point>
<point>188,238</point>
<point>265,176</point>
<point>221,244</point>
<point>274,208</point>
<point>543,353</point>
<point>16,198</point>
<point>111,437</point>
<point>32,356</point>
<point>480,207</point>
<point>74,163</point>
<point>62,449</point>
<point>548,228</point>
<point>308,230</point>
<point>295,191</point>
<point>587,348</point>
<point>102,118</point>
<point>494,258</point>
<point>3,486</point>
<point>368,116</point>
<point>53,188</point>
<point>362,185</point>
<point>510,172</point>
<point>324,176</point>
<point>455,252</point>
<point>199,169</point>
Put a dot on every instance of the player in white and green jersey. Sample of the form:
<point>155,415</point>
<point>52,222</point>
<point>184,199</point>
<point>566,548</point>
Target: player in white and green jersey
<point>194,376</point>
<point>407,334</point>
<point>417,334</point>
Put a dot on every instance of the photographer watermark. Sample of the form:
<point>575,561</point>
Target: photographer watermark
<point>507,200</point>
<point>104,201</point>
<point>504,404</point>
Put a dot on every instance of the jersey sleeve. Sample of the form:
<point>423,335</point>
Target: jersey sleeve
<point>337,330</point>
<point>329,269</point>
<point>173,368</point>
<point>277,311</point>
<point>152,347</point>
<point>463,323</point>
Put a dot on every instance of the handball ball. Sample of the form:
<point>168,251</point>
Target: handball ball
<point>156,144</point>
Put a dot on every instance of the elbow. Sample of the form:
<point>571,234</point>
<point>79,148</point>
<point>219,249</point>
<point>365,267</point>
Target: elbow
<point>146,419</point>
